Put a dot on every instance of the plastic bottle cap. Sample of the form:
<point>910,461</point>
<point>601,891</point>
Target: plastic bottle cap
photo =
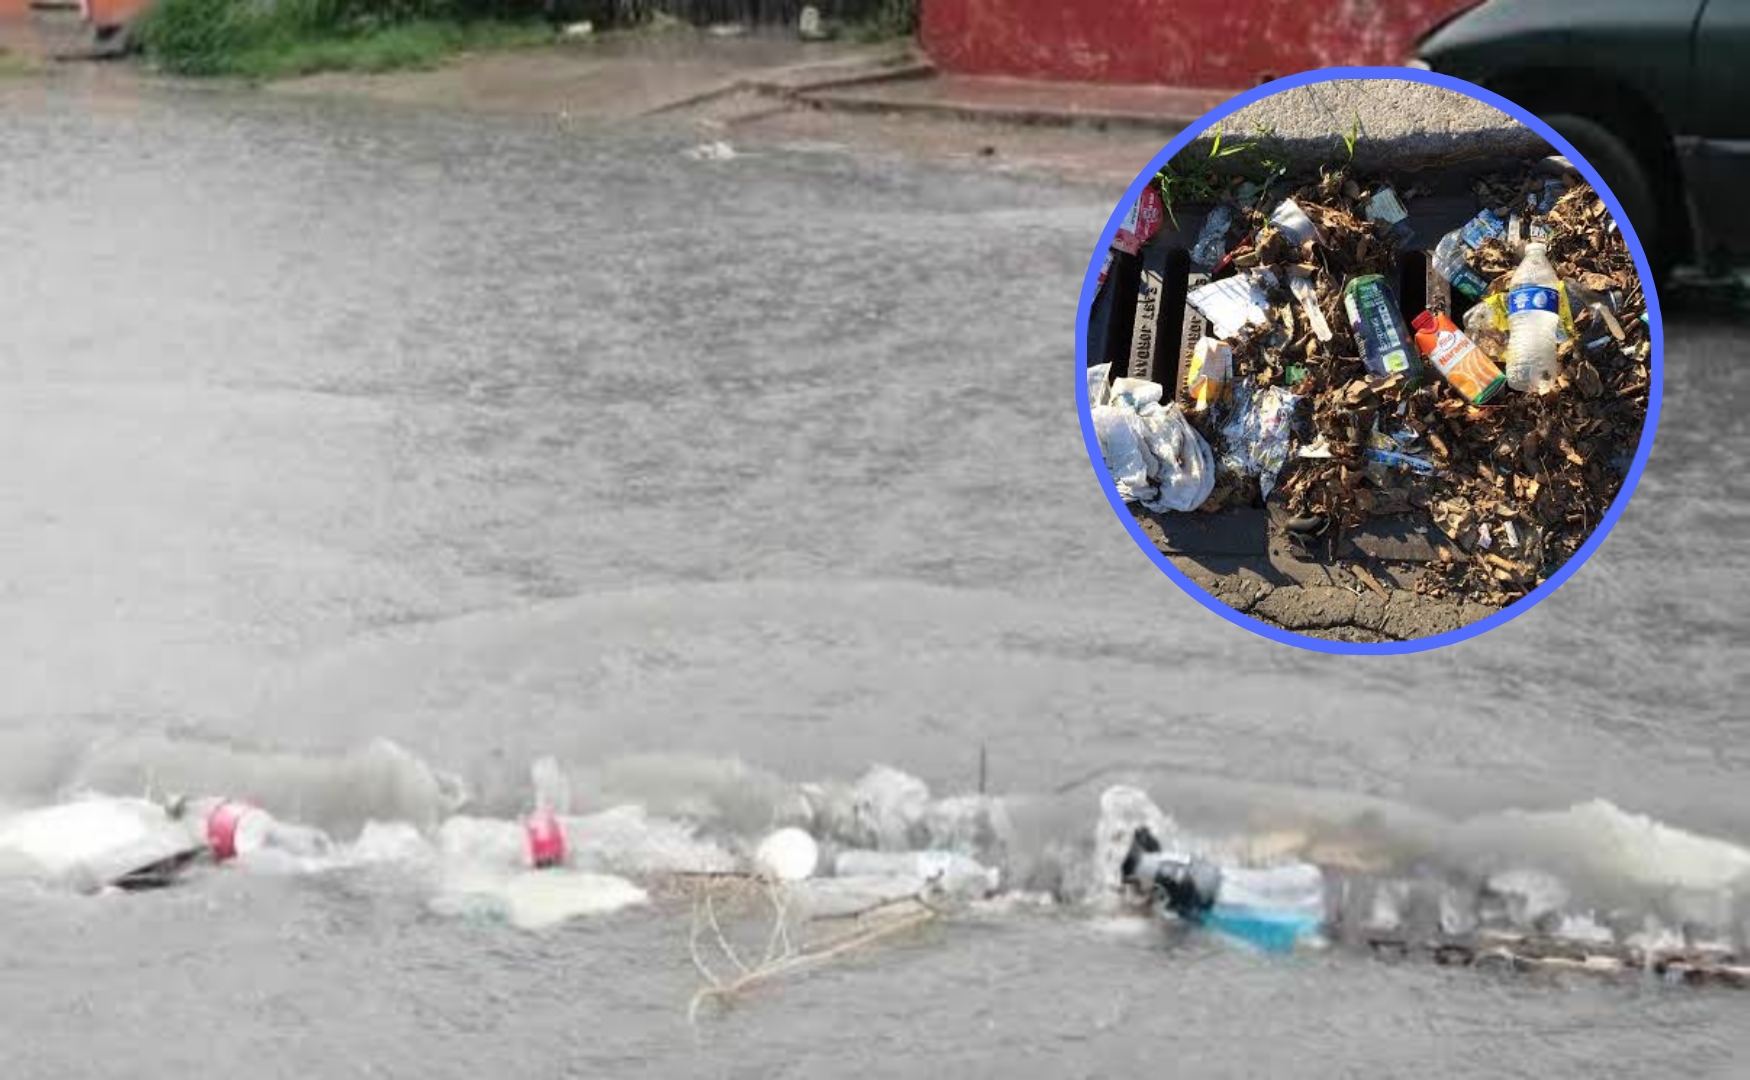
<point>546,839</point>
<point>788,855</point>
<point>222,828</point>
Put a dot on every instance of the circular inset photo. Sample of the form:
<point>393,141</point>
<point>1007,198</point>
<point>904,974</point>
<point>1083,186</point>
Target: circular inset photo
<point>1371,360</point>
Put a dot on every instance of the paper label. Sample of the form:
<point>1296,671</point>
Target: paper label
<point>1532,298</point>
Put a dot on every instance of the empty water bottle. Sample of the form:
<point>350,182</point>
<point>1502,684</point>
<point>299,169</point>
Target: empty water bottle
<point>949,871</point>
<point>233,829</point>
<point>1533,313</point>
<point>1449,262</point>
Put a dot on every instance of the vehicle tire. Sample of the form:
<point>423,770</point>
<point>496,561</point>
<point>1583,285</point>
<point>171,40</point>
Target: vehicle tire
<point>1623,172</point>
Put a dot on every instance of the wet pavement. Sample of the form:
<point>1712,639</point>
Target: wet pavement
<point>330,420</point>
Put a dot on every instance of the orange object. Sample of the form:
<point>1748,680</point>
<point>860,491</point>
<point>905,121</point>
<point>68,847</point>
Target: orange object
<point>1457,358</point>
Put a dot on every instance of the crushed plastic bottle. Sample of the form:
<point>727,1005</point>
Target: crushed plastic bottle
<point>1532,321</point>
<point>1450,255</point>
<point>1449,263</point>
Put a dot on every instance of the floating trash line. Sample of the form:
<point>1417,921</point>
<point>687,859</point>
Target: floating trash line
<point>782,956</point>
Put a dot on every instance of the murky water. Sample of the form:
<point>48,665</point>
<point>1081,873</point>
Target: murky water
<point>324,423</point>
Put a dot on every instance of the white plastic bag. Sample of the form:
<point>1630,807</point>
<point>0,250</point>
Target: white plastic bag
<point>1184,467</point>
<point>1121,446</point>
<point>1097,384</point>
<point>1155,456</point>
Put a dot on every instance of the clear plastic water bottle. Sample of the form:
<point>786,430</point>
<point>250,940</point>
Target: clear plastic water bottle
<point>951,871</point>
<point>233,829</point>
<point>1449,262</point>
<point>1533,307</point>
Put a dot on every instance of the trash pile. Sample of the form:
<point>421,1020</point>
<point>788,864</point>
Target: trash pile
<point>1501,409</point>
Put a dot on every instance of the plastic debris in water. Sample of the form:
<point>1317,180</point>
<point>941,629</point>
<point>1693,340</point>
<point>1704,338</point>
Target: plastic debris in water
<point>787,855</point>
<point>712,151</point>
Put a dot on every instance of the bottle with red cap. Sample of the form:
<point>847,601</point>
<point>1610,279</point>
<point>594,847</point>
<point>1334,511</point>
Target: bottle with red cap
<point>236,829</point>
<point>538,841</point>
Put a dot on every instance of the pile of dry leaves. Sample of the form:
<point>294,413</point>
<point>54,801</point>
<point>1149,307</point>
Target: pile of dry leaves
<point>1518,484</point>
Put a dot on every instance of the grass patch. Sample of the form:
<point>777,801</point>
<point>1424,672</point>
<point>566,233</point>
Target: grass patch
<point>13,64</point>
<point>890,19</point>
<point>407,46</point>
<point>275,39</point>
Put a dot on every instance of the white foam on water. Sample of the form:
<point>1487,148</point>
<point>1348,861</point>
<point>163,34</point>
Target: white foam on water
<point>534,899</point>
<point>89,842</point>
<point>339,792</point>
<point>1607,845</point>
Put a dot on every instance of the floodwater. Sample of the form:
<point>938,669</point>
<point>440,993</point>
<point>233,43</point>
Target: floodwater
<point>326,423</point>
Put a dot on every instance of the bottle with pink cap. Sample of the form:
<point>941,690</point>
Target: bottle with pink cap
<point>238,829</point>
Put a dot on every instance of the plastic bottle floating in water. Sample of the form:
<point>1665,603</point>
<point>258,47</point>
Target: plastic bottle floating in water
<point>1276,908</point>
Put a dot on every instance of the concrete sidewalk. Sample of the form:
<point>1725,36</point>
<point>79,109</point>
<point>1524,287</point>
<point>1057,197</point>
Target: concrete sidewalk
<point>1165,109</point>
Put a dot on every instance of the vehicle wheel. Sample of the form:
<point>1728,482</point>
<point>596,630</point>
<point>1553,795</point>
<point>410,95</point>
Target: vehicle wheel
<point>1627,178</point>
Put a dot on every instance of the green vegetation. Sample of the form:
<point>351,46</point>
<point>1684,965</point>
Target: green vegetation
<point>13,64</point>
<point>890,19</point>
<point>1207,179</point>
<point>267,39</point>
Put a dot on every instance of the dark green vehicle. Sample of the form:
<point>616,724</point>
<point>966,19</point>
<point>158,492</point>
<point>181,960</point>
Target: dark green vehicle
<point>1654,93</point>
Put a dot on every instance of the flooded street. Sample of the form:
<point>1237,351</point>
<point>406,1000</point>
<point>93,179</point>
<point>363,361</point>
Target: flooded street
<point>326,422</point>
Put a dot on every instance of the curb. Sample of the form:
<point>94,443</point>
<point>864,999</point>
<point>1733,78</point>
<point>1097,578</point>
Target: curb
<point>793,82</point>
<point>1408,154</point>
<point>1099,120</point>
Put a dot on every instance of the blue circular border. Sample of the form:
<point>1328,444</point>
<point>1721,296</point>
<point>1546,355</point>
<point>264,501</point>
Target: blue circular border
<point>1655,325</point>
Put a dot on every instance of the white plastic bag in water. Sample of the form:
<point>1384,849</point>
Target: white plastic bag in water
<point>1155,456</point>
